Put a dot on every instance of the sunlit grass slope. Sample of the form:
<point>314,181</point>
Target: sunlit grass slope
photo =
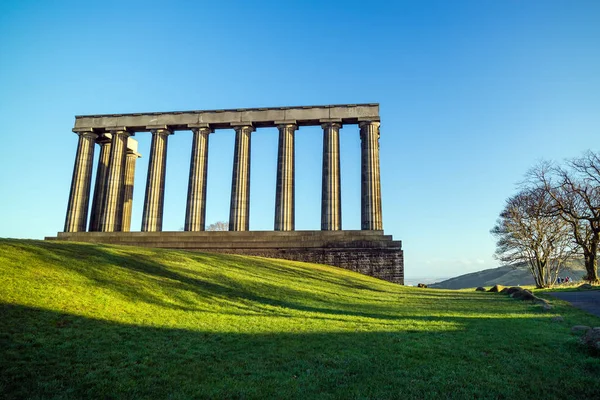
<point>81,321</point>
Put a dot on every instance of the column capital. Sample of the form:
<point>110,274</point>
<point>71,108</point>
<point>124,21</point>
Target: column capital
<point>330,123</point>
<point>286,123</point>
<point>131,153</point>
<point>120,130</point>
<point>241,126</point>
<point>81,130</point>
<point>160,129</point>
<point>363,122</point>
<point>204,127</point>
<point>87,132</point>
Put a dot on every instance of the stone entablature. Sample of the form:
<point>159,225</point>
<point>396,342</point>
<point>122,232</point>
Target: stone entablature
<point>225,119</point>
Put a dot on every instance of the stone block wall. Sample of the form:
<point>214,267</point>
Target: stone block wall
<point>367,252</point>
<point>386,264</point>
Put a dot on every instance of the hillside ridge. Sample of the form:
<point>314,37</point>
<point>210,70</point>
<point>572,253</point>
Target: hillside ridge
<point>508,275</point>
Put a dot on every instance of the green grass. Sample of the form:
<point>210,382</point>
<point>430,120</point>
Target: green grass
<point>567,288</point>
<point>81,320</point>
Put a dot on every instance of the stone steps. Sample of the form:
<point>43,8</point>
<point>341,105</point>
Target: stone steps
<point>193,245</point>
<point>231,234</point>
<point>242,240</point>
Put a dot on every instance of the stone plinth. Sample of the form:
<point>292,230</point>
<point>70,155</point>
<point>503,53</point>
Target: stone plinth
<point>368,252</point>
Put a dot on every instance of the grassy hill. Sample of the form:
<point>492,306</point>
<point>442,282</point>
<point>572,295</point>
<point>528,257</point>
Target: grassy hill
<point>507,276</point>
<point>82,320</point>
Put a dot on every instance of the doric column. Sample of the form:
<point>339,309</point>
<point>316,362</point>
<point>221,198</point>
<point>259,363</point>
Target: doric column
<point>331,209</point>
<point>195,212</point>
<point>239,209</point>
<point>77,209</point>
<point>285,188</point>
<point>132,156</point>
<point>370,178</point>
<point>100,185</point>
<point>155,184</point>
<point>112,207</point>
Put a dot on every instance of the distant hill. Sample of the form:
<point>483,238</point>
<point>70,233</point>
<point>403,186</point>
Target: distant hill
<point>507,276</point>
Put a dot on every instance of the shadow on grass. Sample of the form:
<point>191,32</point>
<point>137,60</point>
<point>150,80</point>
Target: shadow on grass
<point>140,274</point>
<point>45,354</point>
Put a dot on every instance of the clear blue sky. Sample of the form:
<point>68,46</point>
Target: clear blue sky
<point>472,93</point>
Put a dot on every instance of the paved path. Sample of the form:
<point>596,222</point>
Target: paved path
<point>588,301</point>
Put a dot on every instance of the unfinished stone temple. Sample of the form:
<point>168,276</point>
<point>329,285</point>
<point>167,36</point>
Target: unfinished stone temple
<point>367,251</point>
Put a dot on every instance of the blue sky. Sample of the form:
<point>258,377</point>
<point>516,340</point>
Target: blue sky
<point>471,93</point>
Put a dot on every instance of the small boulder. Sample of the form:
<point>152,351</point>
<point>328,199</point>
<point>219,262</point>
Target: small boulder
<point>585,286</point>
<point>558,318</point>
<point>592,338</point>
<point>422,285</point>
<point>480,289</point>
<point>523,295</point>
<point>580,328</point>
<point>496,288</point>
<point>512,290</point>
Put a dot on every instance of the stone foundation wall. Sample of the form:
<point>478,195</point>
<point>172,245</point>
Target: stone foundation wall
<point>386,264</point>
<point>367,252</point>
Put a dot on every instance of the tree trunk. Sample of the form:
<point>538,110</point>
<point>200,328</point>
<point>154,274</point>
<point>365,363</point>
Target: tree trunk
<point>536,271</point>
<point>591,266</point>
<point>591,260</point>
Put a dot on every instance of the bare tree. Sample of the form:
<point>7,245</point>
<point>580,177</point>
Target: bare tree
<point>575,192</point>
<point>527,234</point>
<point>218,226</point>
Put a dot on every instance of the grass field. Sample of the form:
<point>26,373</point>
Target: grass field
<point>567,288</point>
<point>81,320</point>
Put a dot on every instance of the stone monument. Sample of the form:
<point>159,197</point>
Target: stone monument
<point>368,251</point>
